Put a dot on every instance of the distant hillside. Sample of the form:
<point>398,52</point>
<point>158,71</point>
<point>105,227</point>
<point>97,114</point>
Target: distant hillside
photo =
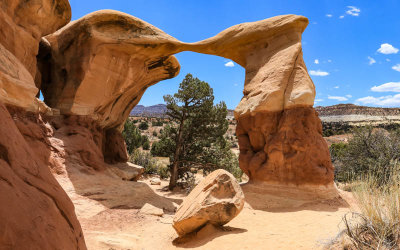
<point>158,110</point>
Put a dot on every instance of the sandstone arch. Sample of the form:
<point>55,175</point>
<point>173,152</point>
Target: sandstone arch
<point>102,63</point>
<point>94,70</point>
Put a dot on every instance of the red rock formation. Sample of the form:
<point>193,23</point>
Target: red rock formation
<point>35,211</point>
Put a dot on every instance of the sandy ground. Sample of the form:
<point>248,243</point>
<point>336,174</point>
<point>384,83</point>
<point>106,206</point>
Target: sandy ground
<point>108,209</point>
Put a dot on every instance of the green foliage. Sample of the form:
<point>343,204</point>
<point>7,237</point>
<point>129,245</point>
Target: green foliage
<point>157,123</point>
<point>369,152</point>
<point>133,138</point>
<point>195,138</point>
<point>143,125</point>
<point>163,172</point>
<point>145,160</point>
<point>146,145</point>
<point>155,133</point>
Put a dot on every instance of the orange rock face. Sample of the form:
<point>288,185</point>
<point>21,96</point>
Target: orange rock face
<point>284,147</point>
<point>35,210</point>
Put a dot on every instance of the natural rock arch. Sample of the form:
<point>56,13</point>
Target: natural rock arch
<point>93,71</point>
<point>101,65</point>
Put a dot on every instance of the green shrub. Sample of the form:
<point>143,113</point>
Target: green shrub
<point>369,152</point>
<point>145,160</point>
<point>132,136</point>
<point>163,172</point>
<point>157,123</point>
<point>143,125</point>
<point>146,145</point>
<point>155,133</point>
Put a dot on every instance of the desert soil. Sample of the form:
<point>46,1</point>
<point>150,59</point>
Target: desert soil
<point>109,212</point>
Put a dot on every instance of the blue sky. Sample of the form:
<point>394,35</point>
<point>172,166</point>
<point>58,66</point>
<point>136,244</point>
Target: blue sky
<point>351,48</point>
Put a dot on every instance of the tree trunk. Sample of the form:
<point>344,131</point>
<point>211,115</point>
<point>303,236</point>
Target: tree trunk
<point>178,144</point>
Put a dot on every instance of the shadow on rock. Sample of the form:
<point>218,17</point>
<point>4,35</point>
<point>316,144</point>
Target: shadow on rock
<point>206,234</point>
<point>279,198</point>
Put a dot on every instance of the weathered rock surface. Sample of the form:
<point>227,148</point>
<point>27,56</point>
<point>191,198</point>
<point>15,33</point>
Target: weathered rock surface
<point>22,24</point>
<point>102,63</point>
<point>35,210</point>
<point>96,70</point>
<point>216,200</point>
<point>127,171</point>
<point>151,210</point>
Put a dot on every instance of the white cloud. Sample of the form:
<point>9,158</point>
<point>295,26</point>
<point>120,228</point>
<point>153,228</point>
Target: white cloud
<point>387,87</point>
<point>387,60</point>
<point>396,67</point>
<point>371,60</point>
<point>353,11</point>
<point>349,96</point>
<point>336,87</point>
<point>329,60</point>
<point>387,49</point>
<point>318,100</point>
<point>329,15</point>
<point>316,61</point>
<point>388,101</point>
<point>318,73</point>
<point>338,98</point>
<point>235,84</point>
<point>341,17</point>
<point>229,64</point>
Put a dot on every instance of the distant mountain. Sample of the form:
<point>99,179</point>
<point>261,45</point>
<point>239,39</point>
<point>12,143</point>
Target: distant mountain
<point>158,110</point>
<point>149,111</point>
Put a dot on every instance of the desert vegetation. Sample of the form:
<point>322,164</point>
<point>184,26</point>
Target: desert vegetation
<point>196,137</point>
<point>368,166</point>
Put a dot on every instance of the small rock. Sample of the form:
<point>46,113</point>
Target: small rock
<point>127,171</point>
<point>151,210</point>
<point>216,200</point>
<point>155,181</point>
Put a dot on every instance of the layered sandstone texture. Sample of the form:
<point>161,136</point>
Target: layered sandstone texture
<point>101,64</point>
<point>216,200</point>
<point>35,211</point>
<point>22,24</point>
<point>279,133</point>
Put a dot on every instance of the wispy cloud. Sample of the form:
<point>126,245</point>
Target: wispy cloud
<point>336,87</point>
<point>396,67</point>
<point>387,87</point>
<point>318,100</point>
<point>329,15</point>
<point>338,98</point>
<point>387,48</point>
<point>341,17</point>
<point>316,61</point>
<point>353,11</point>
<point>349,96</point>
<point>235,84</point>
<point>329,60</point>
<point>388,101</point>
<point>229,64</point>
<point>318,73</point>
<point>371,60</point>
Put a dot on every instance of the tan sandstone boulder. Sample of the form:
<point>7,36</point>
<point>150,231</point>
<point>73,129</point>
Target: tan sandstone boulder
<point>216,200</point>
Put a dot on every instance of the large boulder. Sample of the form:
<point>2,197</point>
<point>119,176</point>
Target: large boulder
<point>216,200</point>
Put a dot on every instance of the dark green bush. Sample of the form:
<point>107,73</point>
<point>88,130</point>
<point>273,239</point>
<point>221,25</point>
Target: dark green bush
<point>143,126</point>
<point>368,153</point>
<point>146,145</point>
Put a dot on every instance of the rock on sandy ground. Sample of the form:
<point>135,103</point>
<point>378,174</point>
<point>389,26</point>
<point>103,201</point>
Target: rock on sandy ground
<point>108,209</point>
